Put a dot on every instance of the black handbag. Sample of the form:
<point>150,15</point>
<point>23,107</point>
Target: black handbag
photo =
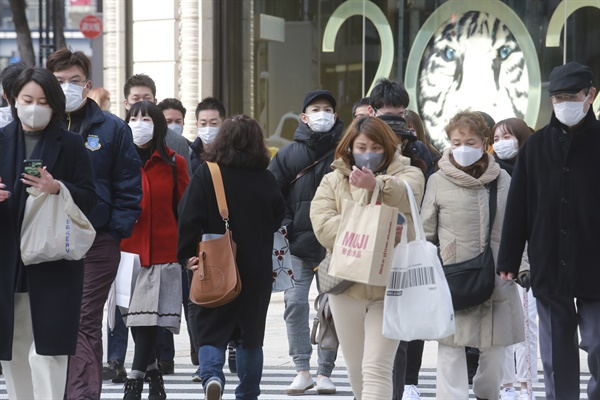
<point>472,282</point>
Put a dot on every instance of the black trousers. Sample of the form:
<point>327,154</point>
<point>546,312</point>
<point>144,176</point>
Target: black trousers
<point>559,319</point>
<point>399,371</point>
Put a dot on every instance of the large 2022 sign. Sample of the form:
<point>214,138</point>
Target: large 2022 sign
<point>469,54</point>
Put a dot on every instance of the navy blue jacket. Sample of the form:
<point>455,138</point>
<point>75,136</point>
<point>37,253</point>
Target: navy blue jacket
<point>292,158</point>
<point>117,172</point>
<point>553,206</point>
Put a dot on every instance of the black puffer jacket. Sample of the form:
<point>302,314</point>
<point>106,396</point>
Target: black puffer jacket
<point>306,148</point>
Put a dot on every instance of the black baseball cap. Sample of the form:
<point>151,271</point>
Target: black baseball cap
<point>315,94</point>
<point>570,78</point>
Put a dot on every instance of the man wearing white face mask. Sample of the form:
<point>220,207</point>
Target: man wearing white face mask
<point>109,144</point>
<point>210,114</point>
<point>299,168</point>
<point>552,207</point>
<point>8,76</point>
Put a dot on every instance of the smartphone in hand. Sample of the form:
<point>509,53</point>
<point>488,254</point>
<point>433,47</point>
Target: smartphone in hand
<point>30,167</point>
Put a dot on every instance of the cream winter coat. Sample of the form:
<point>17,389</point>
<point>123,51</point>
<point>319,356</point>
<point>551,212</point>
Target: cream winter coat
<point>326,207</point>
<point>455,214</point>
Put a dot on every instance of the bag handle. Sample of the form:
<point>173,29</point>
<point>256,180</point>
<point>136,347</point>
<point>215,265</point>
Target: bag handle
<point>217,179</point>
<point>416,215</point>
<point>376,192</point>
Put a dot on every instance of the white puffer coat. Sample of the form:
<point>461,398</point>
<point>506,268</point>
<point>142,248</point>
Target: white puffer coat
<point>455,214</point>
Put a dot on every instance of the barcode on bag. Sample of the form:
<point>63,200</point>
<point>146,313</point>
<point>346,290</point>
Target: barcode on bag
<point>413,277</point>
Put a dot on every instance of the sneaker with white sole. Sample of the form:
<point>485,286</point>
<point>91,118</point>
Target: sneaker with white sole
<point>301,384</point>
<point>411,393</point>
<point>525,395</point>
<point>508,393</point>
<point>325,385</point>
<point>213,390</point>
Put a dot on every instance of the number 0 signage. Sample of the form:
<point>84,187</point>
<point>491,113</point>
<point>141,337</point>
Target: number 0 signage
<point>91,26</point>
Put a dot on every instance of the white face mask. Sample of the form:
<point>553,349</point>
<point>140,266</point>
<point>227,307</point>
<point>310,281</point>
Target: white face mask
<point>321,121</point>
<point>506,149</point>
<point>570,113</point>
<point>34,116</point>
<point>142,132</point>
<point>74,95</point>
<point>466,155</point>
<point>178,129</point>
<point>5,116</point>
<point>208,133</point>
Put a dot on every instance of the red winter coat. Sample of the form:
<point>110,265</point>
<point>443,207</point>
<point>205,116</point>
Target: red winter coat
<point>154,235</point>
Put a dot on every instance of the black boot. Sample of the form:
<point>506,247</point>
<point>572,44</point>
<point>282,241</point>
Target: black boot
<point>157,385</point>
<point>133,389</point>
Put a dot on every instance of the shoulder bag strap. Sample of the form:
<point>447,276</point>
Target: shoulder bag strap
<point>305,170</point>
<point>217,178</point>
<point>174,201</point>
<point>492,202</point>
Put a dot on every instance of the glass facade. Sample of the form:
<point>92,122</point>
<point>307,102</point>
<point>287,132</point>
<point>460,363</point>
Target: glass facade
<point>486,55</point>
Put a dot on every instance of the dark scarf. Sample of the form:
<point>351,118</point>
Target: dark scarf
<point>476,169</point>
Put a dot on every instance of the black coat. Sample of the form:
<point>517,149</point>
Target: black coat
<point>306,148</point>
<point>55,288</point>
<point>256,209</point>
<point>553,204</point>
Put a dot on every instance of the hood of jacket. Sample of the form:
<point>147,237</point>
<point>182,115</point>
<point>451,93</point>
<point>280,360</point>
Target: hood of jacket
<point>461,178</point>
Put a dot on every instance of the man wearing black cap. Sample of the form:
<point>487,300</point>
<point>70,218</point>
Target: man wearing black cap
<point>299,168</point>
<point>553,207</point>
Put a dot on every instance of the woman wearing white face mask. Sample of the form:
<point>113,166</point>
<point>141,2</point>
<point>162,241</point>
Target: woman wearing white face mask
<point>509,135</point>
<point>39,304</point>
<point>456,217</point>
<point>156,298</point>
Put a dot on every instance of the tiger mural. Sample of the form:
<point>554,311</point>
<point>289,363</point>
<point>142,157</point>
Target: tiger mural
<point>472,62</point>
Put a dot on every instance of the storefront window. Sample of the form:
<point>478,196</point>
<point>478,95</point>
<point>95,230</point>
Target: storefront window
<point>486,55</point>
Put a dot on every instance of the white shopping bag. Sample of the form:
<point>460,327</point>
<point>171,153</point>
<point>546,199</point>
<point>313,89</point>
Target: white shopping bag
<point>129,267</point>
<point>54,228</point>
<point>283,274</point>
<point>417,303</point>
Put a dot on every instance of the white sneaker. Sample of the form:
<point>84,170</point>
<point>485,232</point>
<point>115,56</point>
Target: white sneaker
<point>525,395</point>
<point>325,385</point>
<point>508,393</point>
<point>411,393</point>
<point>213,390</point>
<point>300,385</point>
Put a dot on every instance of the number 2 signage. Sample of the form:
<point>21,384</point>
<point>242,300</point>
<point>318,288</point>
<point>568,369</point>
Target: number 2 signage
<point>473,54</point>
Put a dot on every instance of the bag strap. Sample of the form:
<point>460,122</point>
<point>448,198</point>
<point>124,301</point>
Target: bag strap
<point>174,201</point>
<point>492,201</point>
<point>416,216</point>
<point>217,179</point>
<point>305,170</point>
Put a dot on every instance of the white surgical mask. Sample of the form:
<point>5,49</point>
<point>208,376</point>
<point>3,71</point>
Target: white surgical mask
<point>142,132</point>
<point>208,133</point>
<point>321,121</point>
<point>466,155</point>
<point>5,116</point>
<point>34,116</point>
<point>506,149</point>
<point>570,113</point>
<point>74,95</point>
<point>178,129</point>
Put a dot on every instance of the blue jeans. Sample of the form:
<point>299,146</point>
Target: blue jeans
<point>296,316</point>
<point>249,369</point>
<point>117,339</point>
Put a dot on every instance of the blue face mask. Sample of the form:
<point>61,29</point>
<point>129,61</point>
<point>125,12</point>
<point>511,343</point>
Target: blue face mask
<point>369,160</point>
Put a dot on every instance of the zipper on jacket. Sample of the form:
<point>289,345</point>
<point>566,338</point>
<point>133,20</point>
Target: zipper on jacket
<point>69,121</point>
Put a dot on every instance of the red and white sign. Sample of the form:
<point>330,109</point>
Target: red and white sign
<point>91,26</point>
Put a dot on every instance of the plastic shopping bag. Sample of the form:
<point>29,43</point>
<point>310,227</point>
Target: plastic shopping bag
<point>417,303</point>
<point>283,275</point>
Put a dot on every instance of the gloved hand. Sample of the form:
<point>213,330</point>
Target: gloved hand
<point>524,280</point>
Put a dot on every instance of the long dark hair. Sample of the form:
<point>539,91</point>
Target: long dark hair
<point>240,143</point>
<point>148,108</point>
<point>47,81</point>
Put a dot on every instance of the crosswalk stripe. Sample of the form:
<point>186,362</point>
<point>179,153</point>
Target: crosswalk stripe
<point>179,386</point>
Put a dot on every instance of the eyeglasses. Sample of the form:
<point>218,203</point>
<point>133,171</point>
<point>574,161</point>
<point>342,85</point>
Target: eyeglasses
<point>75,82</point>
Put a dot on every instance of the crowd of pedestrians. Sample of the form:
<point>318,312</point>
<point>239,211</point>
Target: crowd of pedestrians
<point>524,196</point>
